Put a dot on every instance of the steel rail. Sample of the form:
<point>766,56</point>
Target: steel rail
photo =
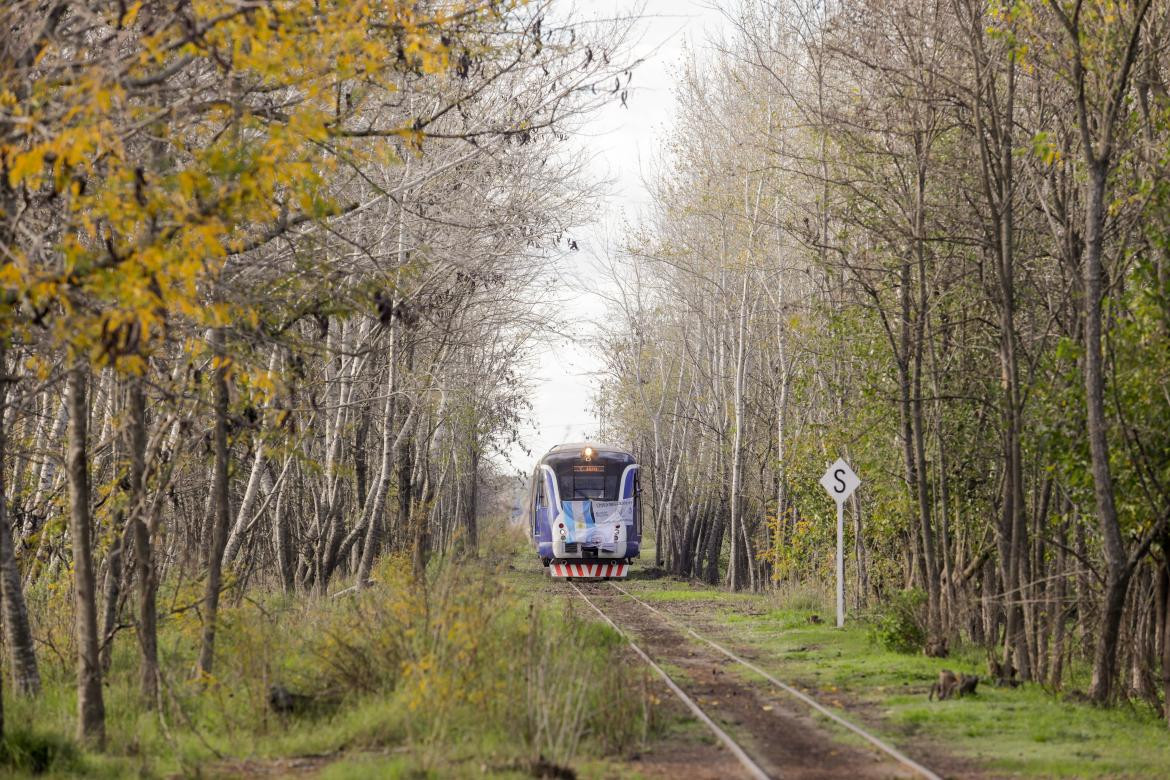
<point>753,769</point>
<point>877,742</point>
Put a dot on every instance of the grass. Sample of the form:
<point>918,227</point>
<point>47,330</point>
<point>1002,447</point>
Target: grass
<point>406,680</point>
<point>437,688</point>
<point>1024,732</point>
<point>705,594</point>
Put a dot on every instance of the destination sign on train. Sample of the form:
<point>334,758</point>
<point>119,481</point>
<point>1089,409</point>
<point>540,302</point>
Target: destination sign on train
<point>590,469</point>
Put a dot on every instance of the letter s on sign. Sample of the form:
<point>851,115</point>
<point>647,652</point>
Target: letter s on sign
<point>839,475</point>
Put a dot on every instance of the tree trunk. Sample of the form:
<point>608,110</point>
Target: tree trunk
<point>91,725</point>
<point>910,408</point>
<point>143,554</point>
<point>715,542</point>
<point>419,538</point>
<point>1117,571</point>
<point>406,464</point>
<point>376,511</point>
<point>283,543</point>
<point>1059,613</point>
<point>115,568</point>
<point>1164,586</point>
<point>244,513</point>
<point>735,578</point>
<point>471,508</point>
<point>113,590</point>
<point>948,563</point>
<point>17,634</point>
<point>860,554</point>
<point>217,538</point>
<point>936,641</point>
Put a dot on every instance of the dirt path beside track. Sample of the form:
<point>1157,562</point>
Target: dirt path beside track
<point>784,740</point>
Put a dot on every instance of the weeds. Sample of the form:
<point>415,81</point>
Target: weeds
<point>801,596</point>
<point>578,681</point>
<point>25,751</point>
<point>901,625</point>
<point>437,670</point>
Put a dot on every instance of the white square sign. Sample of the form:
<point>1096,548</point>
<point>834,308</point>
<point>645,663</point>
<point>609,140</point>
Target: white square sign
<point>840,481</point>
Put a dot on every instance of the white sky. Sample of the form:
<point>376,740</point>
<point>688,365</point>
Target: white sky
<point>622,146</point>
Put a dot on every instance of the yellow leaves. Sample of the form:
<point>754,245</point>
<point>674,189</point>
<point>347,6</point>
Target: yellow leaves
<point>1046,150</point>
<point>413,139</point>
<point>10,276</point>
<point>263,385</point>
<point>143,240</point>
<point>73,148</point>
<point>24,166</point>
<point>130,16</point>
<point>135,365</point>
<point>38,366</point>
<point>221,314</point>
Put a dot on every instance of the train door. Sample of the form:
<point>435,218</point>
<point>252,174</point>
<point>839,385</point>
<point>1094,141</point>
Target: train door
<point>535,502</point>
<point>638,504</point>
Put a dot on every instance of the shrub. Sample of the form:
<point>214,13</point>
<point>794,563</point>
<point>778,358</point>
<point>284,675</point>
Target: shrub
<point>424,637</point>
<point>901,623</point>
<point>441,665</point>
<point>22,751</point>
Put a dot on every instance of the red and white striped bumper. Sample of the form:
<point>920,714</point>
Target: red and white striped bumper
<point>558,569</point>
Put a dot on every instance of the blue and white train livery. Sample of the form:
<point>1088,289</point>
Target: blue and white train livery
<point>584,511</point>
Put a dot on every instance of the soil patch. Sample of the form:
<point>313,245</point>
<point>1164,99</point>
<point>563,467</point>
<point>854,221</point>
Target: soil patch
<point>277,767</point>
<point>784,740</point>
<point>865,713</point>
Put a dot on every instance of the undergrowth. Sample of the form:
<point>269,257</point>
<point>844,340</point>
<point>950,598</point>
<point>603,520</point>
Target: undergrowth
<point>457,667</point>
<point>900,624</point>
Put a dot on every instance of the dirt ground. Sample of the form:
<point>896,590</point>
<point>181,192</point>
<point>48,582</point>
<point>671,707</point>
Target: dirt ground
<point>778,733</point>
<point>700,615</point>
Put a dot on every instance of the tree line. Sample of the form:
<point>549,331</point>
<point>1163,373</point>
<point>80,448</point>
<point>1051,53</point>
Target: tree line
<point>271,272</point>
<point>929,236</point>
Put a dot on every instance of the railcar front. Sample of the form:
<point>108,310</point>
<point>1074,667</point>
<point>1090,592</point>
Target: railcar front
<point>584,510</point>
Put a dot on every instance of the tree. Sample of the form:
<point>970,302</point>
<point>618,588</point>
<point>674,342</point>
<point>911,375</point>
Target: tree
<point>1101,51</point>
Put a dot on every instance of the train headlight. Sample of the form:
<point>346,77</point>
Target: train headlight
<point>588,453</point>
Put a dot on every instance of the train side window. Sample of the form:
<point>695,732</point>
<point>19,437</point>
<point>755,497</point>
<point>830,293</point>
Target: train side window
<point>540,498</point>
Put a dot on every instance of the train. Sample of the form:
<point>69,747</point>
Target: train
<point>585,510</point>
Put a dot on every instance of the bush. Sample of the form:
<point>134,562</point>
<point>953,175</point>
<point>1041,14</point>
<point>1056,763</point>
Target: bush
<point>455,666</point>
<point>26,752</point>
<point>424,639</point>
<point>901,623</point>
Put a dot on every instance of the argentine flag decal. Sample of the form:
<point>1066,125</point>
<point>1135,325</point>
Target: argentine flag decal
<point>577,517</point>
<point>606,533</point>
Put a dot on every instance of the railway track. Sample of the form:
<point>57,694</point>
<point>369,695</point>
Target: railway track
<point>751,767</point>
<point>774,741</point>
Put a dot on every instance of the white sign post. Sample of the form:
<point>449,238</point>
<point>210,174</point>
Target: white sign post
<point>840,481</point>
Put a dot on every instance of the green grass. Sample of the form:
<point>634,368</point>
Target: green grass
<point>696,595</point>
<point>1025,732</point>
<point>405,688</point>
<point>1030,732</point>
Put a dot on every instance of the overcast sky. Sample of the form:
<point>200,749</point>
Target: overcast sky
<point>622,145</point>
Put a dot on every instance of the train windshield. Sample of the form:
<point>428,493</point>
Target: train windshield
<point>594,481</point>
